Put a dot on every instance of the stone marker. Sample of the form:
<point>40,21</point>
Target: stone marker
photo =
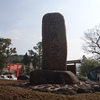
<point>54,53</point>
<point>54,42</point>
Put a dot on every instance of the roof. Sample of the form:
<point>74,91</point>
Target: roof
<point>73,61</point>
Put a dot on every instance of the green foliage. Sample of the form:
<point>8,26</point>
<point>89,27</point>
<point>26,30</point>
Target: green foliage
<point>26,60</point>
<point>2,64</point>
<point>5,51</point>
<point>82,78</point>
<point>5,48</point>
<point>28,70</point>
<point>38,49</point>
<point>86,65</point>
<point>36,55</point>
<point>35,60</point>
<point>15,59</point>
<point>22,70</point>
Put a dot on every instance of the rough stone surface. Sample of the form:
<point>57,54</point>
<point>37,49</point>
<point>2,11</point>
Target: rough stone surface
<point>54,53</point>
<point>54,42</point>
<point>52,77</point>
<point>67,89</point>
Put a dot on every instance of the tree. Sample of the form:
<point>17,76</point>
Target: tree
<point>92,42</point>
<point>35,60</point>
<point>36,55</point>
<point>87,64</point>
<point>2,64</point>
<point>28,70</point>
<point>5,48</point>
<point>5,51</point>
<point>15,59</point>
<point>26,60</point>
<point>22,70</point>
<point>84,58</point>
<point>38,49</point>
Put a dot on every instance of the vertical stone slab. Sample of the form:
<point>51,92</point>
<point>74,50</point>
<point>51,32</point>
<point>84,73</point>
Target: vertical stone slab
<point>54,42</point>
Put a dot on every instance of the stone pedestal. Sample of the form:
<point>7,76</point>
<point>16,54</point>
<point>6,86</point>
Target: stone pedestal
<point>38,77</point>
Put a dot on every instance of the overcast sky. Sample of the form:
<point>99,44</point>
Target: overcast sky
<point>21,21</point>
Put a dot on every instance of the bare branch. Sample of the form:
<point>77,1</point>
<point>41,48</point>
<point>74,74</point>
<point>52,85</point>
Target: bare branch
<point>92,41</point>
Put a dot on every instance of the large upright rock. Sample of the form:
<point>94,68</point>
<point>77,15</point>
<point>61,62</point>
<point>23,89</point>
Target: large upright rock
<point>54,53</point>
<point>54,42</point>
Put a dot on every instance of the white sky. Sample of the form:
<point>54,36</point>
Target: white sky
<point>21,21</point>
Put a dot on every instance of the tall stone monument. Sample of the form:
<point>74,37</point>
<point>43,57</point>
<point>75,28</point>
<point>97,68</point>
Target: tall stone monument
<point>54,42</point>
<point>54,53</point>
